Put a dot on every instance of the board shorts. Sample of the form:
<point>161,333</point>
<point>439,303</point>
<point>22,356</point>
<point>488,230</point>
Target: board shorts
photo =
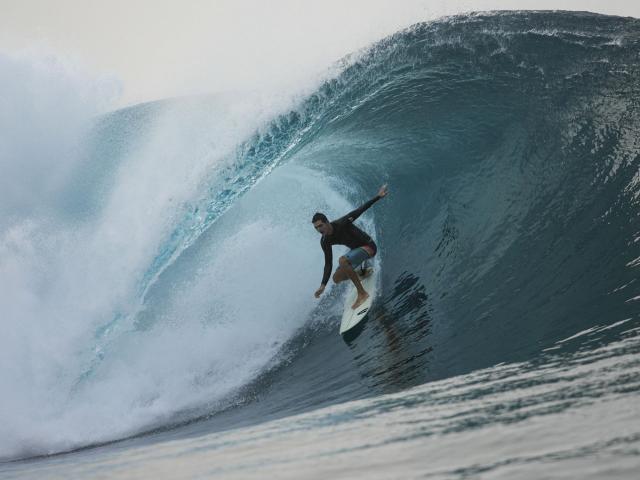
<point>359,255</point>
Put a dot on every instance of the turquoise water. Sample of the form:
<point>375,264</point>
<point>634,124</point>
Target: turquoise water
<point>562,416</point>
<point>160,295</point>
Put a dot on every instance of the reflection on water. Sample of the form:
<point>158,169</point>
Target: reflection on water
<point>392,351</point>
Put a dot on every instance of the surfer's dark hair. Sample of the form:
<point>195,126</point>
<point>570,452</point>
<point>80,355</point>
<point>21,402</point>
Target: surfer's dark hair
<point>319,216</point>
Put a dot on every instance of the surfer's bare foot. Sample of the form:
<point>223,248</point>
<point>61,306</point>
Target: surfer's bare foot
<point>360,300</point>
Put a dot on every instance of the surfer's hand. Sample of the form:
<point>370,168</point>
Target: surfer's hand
<point>319,291</point>
<point>383,191</point>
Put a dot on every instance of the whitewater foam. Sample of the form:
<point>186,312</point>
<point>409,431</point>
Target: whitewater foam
<point>75,280</point>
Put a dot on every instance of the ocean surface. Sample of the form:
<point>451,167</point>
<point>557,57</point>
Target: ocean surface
<point>158,265</point>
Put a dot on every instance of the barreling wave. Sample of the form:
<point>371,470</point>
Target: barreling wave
<point>510,144</point>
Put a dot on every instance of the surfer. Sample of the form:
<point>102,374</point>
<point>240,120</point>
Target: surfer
<point>344,232</point>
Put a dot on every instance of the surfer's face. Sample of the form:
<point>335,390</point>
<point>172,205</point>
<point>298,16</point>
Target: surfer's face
<point>321,227</point>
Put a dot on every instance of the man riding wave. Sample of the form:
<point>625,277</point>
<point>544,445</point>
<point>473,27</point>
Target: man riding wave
<point>344,232</point>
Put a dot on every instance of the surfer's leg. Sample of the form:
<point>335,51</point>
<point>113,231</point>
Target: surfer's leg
<point>340,275</point>
<point>348,270</point>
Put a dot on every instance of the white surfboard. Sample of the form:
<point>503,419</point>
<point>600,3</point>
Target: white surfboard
<point>352,317</point>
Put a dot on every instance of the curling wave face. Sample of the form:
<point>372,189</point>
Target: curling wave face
<point>173,277</point>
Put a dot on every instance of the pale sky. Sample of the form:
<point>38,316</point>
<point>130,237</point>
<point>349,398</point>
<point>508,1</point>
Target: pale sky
<point>163,48</point>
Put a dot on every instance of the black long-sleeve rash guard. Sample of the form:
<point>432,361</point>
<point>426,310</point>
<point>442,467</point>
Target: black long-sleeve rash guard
<point>345,233</point>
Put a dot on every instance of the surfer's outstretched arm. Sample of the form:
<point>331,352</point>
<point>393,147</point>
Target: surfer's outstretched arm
<point>351,216</point>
